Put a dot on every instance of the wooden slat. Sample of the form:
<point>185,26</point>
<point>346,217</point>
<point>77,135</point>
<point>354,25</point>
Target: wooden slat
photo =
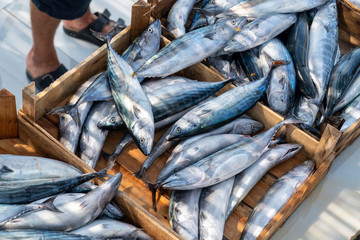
<point>140,18</point>
<point>8,119</point>
<point>349,22</point>
<point>16,146</point>
<point>160,7</point>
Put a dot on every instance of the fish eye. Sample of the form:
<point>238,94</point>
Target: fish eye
<point>233,22</point>
<point>112,119</point>
<point>142,140</point>
<point>212,2</point>
<point>150,30</point>
<point>233,40</point>
<point>177,174</point>
<point>178,129</point>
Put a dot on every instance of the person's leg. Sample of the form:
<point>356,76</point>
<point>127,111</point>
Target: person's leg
<point>42,57</point>
<point>84,21</point>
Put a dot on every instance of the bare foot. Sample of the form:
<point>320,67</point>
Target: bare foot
<point>84,21</point>
<point>37,67</point>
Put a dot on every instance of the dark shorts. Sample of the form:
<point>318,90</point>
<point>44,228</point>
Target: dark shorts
<point>63,9</point>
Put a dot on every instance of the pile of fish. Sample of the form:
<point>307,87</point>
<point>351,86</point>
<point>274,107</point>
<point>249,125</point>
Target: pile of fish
<point>286,50</point>
<point>315,85</point>
<point>37,201</point>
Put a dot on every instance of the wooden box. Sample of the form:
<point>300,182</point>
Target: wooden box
<point>349,22</point>
<point>134,199</point>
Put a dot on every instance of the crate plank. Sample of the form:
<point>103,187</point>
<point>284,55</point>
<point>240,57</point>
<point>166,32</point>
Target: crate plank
<point>8,119</point>
<point>140,18</point>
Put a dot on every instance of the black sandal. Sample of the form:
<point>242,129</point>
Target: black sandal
<point>45,80</point>
<point>102,20</point>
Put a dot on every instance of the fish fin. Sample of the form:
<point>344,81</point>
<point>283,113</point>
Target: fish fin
<point>5,169</point>
<point>153,188</point>
<point>72,110</point>
<point>208,15</point>
<point>280,139</point>
<point>61,110</point>
<point>136,111</point>
<point>49,205</point>
<point>273,62</point>
<point>106,36</point>
<point>209,36</point>
<point>138,56</point>
<point>310,129</point>
<point>141,174</point>
<point>256,52</point>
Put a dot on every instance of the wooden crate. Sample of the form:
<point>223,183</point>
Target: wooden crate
<point>349,22</point>
<point>40,131</point>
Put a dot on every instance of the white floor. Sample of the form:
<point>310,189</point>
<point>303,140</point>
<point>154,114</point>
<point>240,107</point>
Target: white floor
<point>332,211</point>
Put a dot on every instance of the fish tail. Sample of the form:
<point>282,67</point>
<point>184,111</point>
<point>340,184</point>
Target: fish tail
<point>141,173</point>
<point>49,205</point>
<point>153,188</point>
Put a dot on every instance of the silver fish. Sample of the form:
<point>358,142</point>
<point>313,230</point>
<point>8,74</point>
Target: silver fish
<point>350,114</point>
<point>15,167</point>
<point>276,197</point>
<point>281,90</point>
<point>198,149</point>
<point>184,212</point>
<point>306,111</point>
<point>144,46</point>
<point>191,48</point>
<point>340,78</point>
<point>221,109</point>
<point>39,235</point>
<point>257,8</point>
<point>350,93</point>
<point>131,102</point>
<point>11,212</point>
<point>32,193</point>
<point>238,126</point>
<point>92,138</point>
<point>259,31</point>
<point>178,16</point>
<point>213,204</point>
<point>247,179</point>
<point>110,211</point>
<point>111,229</point>
<point>298,46</point>
<point>223,164</point>
<point>322,47</point>
<point>73,214</point>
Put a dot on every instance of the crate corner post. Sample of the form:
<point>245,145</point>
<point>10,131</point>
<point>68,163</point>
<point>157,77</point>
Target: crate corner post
<point>8,116</point>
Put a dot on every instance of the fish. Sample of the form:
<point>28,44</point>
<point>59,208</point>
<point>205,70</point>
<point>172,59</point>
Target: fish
<point>197,150</point>
<point>225,65</point>
<point>225,163</point>
<point>298,46</point>
<point>144,46</point>
<point>184,212</point>
<point>340,78</point>
<point>212,207</point>
<point>306,111</point>
<point>171,99</point>
<point>322,47</point>
<point>152,84</point>
<point>110,211</point>
<point>34,234</point>
<point>238,126</point>
<point>21,168</point>
<point>111,229</point>
<point>32,193</point>
<point>127,139</point>
<point>74,214</point>
<point>248,178</point>
<point>92,138</point>
<point>351,90</point>
<point>221,109</point>
<point>191,48</point>
<point>178,16</point>
<point>281,90</point>
<point>259,31</point>
<point>71,119</point>
<point>350,114</point>
<point>131,102</point>
<point>11,212</point>
<point>250,61</point>
<point>275,198</point>
<point>257,8</point>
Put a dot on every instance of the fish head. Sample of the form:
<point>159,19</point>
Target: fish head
<point>153,33</point>
<point>237,23</point>
<point>186,126</point>
<point>288,150</point>
<point>187,176</point>
<point>110,122</point>
<point>279,101</point>
<point>143,135</point>
<point>247,126</point>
